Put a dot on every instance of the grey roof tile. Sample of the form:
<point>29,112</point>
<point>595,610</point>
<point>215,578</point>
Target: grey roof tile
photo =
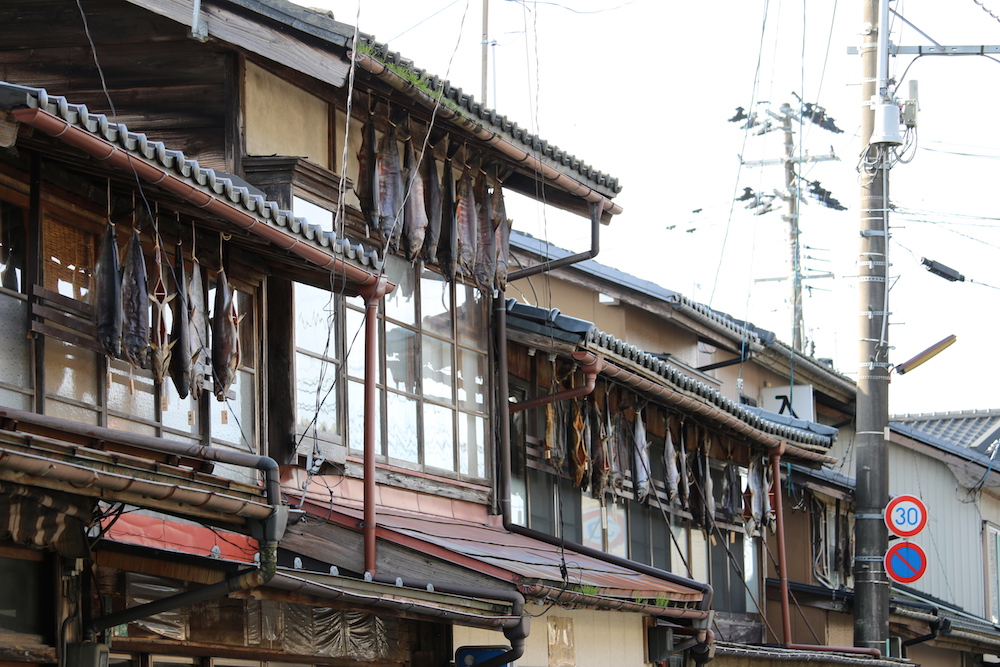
<point>215,182</point>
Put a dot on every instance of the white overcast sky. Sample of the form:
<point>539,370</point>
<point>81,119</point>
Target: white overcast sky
<point>642,90</point>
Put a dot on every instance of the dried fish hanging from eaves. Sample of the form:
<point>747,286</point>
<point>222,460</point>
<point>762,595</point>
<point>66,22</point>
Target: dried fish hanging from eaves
<point>755,486</point>
<point>732,490</point>
<point>555,430</point>
<point>640,468</point>
<point>180,331</point>
<point>367,188</point>
<point>159,344</point>
<point>599,451</point>
<point>466,215</point>
<point>619,451</point>
<point>434,200</point>
<point>501,223</point>
<point>485,267</point>
<point>414,207</point>
<point>201,355</point>
<point>225,332</point>
<point>696,496</point>
<point>447,252</point>
<point>579,459</point>
<point>108,296</point>
<point>391,189</point>
<point>135,302</point>
<point>670,471</point>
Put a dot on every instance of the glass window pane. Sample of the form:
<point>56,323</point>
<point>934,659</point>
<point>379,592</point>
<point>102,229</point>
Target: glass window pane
<point>639,537</point>
<point>400,358</point>
<point>435,304</point>
<point>130,390</point>
<point>401,424</point>
<point>56,408</point>
<point>70,371</point>
<point>15,366</point>
<point>12,247</point>
<point>518,502</point>
<point>233,419</point>
<point>314,215</point>
<point>439,437</point>
<point>314,320</point>
<point>593,530</point>
<point>356,417</point>
<point>470,309</point>
<point>472,380</point>
<point>400,303</point>
<point>248,329</point>
<point>178,414</point>
<point>617,530</point>
<point>316,397</point>
<point>354,339</point>
<point>437,369</point>
<point>69,259</point>
<point>471,445</point>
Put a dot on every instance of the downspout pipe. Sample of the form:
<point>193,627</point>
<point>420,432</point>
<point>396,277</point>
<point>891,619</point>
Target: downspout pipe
<point>372,296</point>
<point>515,630</point>
<point>591,364</point>
<point>786,617</point>
<point>504,486</point>
<point>596,211</point>
<point>937,627</point>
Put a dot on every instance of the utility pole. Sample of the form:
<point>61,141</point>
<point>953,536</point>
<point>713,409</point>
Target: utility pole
<point>486,44</point>
<point>792,195</point>
<point>871,586</point>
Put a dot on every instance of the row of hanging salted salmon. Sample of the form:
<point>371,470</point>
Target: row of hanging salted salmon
<point>460,226</point>
<point>126,331</point>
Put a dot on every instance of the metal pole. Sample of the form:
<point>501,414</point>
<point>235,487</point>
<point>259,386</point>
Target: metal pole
<point>486,43</point>
<point>871,587</point>
<point>792,189</point>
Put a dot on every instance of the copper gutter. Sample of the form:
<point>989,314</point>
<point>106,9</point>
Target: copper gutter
<point>155,175</point>
<point>786,616</point>
<point>372,295</point>
<point>265,464</point>
<point>591,364</point>
<point>712,412</point>
<point>570,597</point>
<point>490,138</point>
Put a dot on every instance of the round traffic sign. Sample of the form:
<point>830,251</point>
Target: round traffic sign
<point>905,562</point>
<point>905,516</point>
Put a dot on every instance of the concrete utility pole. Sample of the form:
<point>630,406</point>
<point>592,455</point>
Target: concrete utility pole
<point>871,586</point>
<point>792,218</point>
<point>486,44</point>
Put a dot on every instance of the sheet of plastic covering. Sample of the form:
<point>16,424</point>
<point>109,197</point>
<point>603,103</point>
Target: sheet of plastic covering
<point>142,588</point>
<point>336,633</point>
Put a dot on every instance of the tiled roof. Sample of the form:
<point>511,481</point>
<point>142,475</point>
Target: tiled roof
<point>627,355</point>
<point>735,329</point>
<point>216,183</point>
<point>974,430</point>
<point>322,25</point>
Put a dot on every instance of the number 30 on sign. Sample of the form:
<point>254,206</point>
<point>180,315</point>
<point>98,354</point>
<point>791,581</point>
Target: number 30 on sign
<point>905,516</point>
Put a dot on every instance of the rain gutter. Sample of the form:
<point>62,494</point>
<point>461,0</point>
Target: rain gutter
<point>107,152</point>
<point>591,364</point>
<point>265,464</point>
<point>490,138</point>
<point>786,616</point>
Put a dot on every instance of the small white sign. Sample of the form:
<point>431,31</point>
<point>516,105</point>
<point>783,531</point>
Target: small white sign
<point>794,401</point>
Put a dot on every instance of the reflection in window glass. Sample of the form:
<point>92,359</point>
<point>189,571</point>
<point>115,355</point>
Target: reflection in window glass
<point>439,437</point>
<point>401,426</point>
<point>400,303</point>
<point>354,341</point>
<point>315,320</point>
<point>593,532</point>
<point>472,445</point>
<point>437,369</point>
<point>131,391</point>
<point>435,304</point>
<point>470,309</point>
<point>233,419</point>
<point>316,400</point>
<point>617,530</point>
<point>356,416</point>
<point>472,381</point>
<point>69,371</point>
<point>400,358</point>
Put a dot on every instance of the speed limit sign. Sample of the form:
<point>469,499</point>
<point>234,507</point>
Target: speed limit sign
<point>905,516</point>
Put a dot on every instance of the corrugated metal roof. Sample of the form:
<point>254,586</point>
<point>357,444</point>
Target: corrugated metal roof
<point>215,183</point>
<point>795,430</point>
<point>527,560</point>
<point>322,25</point>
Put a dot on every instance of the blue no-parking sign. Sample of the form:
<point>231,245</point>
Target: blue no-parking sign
<point>905,562</point>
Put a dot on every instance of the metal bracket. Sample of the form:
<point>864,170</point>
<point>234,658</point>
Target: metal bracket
<point>872,232</point>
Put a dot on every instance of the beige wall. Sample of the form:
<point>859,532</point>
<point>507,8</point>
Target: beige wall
<point>600,638</point>
<point>282,119</point>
